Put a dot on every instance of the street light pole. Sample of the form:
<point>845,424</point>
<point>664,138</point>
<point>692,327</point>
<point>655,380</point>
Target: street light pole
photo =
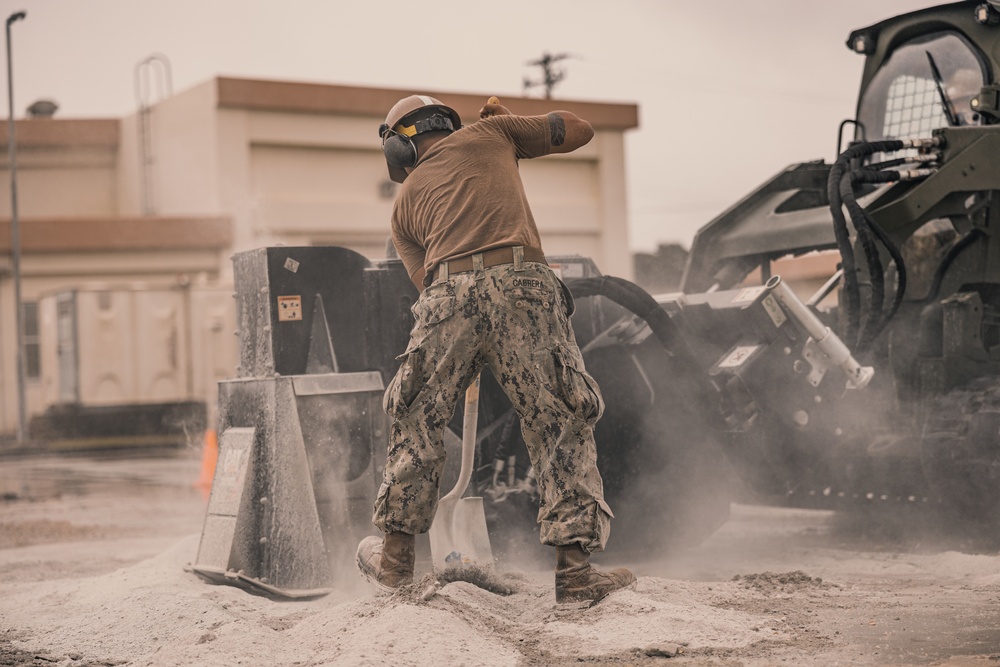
<point>15,238</point>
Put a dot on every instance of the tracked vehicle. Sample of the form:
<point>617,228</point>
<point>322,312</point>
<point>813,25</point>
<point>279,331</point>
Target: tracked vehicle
<point>911,209</point>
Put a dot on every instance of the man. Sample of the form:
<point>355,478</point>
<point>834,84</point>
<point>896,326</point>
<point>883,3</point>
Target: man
<point>462,226</point>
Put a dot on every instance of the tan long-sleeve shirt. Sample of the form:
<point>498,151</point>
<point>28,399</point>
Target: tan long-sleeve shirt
<point>465,194</point>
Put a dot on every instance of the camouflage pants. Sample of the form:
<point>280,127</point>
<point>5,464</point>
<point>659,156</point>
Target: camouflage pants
<point>514,320</point>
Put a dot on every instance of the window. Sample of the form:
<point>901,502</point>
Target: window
<point>904,99</point>
<point>32,347</point>
<point>913,108</point>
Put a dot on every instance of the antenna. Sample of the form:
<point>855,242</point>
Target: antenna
<point>550,75</point>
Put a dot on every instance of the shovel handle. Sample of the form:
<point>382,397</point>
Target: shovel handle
<point>469,425</point>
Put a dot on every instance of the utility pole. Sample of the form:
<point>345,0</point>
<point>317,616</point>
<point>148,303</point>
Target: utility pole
<point>550,76</point>
<point>15,237</point>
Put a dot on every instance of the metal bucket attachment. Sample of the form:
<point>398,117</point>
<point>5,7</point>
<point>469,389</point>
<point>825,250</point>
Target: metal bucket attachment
<point>302,428</point>
<point>293,488</point>
<point>274,538</point>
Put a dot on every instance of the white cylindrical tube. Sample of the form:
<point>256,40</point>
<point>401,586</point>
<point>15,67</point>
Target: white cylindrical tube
<point>828,342</point>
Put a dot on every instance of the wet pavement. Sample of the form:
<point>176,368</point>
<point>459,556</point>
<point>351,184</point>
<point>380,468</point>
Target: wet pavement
<point>112,510</point>
<point>42,477</point>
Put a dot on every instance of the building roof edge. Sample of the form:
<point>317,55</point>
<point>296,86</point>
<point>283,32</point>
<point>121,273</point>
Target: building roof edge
<point>302,97</point>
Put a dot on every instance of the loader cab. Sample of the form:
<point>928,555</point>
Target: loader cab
<point>926,83</point>
<point>909,60</point>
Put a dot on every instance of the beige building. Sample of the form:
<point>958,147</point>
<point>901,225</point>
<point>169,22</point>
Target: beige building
<point>159,200</point>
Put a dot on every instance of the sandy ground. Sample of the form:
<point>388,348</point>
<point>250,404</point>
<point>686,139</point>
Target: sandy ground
<point>93,557</point>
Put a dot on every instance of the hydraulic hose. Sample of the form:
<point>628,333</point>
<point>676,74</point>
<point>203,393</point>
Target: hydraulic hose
<point>840,189</point>
<point>636,300</point>
<point>852,295</point>
<point>843,238</point>
<point>878,316</point>
<point>871,253</point>
<point>897,257</point>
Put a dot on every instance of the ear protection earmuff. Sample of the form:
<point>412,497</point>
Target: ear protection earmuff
<point>398,149</point>
<point>397,144</point>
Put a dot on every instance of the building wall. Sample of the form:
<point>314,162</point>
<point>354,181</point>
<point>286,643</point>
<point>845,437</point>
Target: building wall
<point>63,171</point>
<point>302,164</point>
<point>186,171</point>
<point>235,164</point>
<point>326,191</point>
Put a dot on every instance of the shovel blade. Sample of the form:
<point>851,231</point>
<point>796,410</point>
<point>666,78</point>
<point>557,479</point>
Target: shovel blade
<point>470,532</point>
<point>459,535</point>
<point>442,543</point>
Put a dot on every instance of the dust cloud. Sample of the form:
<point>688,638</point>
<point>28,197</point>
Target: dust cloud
<point>101,575</point>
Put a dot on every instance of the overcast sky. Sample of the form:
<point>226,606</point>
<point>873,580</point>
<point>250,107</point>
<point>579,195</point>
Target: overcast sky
<point>729,92</point>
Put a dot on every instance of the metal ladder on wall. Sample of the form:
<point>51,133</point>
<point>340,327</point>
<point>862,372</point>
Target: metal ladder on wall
<point>153,84</point>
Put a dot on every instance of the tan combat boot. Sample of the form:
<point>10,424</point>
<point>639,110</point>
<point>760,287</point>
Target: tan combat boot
<point>387,562</point>
<point>578,581</point>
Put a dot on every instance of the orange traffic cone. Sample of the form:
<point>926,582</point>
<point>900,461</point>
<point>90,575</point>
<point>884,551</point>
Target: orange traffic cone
<point>209,457</point>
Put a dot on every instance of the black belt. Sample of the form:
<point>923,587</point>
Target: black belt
<point>491,258</point>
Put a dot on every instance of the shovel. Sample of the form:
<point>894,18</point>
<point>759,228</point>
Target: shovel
<point>458,534</point>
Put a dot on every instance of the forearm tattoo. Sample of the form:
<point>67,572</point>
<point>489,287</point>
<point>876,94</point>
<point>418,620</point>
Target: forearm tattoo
<point>557,128</point>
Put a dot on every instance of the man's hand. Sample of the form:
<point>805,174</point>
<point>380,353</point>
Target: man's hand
<point>493,108</point>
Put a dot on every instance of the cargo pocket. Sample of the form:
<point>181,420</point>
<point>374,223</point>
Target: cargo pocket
<point>434,309</point>
<point>579,390</point>
<point>603,505</point>
<point>434,306</point>
<point>406,385</point>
